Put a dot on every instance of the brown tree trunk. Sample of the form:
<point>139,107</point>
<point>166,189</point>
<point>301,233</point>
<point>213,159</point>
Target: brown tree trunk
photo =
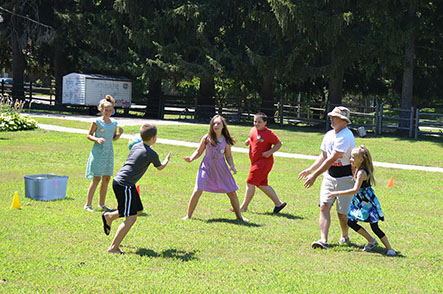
<point>154,99</point>
<point>205,108</point>
<point>267,97</point>
<point>335,83</point>
<point>18,58</point>
<point>407,90</point>
<point>60,69</point>
<point>18,69</point>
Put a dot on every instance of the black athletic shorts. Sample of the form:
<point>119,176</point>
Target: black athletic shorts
<point>129,202</point>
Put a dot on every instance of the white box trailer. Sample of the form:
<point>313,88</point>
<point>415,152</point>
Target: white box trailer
<point>89,89</point>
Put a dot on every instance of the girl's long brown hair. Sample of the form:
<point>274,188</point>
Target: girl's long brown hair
<point>225,132</point>
<point>366,164</point>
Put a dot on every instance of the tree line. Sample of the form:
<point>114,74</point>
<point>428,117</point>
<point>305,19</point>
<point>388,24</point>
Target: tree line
<point>325,50</point>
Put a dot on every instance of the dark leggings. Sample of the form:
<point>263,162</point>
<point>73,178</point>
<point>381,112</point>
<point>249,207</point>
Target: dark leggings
<point>374,227</point>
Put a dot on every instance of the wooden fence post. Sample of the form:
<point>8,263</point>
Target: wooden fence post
<point>30,90</point>
<point>380,119</point>
<point>417,122</point>
<point>411,122</point>
<point>281,110</point>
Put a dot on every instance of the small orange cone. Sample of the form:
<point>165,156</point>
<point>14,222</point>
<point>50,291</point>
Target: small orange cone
<point>390,183</point>
<point>138,190</point>
<point>16,201</point>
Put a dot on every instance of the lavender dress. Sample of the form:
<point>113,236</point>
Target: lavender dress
<point>214,175</point>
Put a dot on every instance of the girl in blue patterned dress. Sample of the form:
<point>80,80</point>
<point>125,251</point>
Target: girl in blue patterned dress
<point>365,206</point>
<point>101,159</point>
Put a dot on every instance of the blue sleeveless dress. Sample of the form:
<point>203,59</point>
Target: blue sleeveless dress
<point>101,158</point>
<point>365,206</point>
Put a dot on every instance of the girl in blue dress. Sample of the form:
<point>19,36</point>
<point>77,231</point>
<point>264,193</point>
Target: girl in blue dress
<point>365,206</point>
<point>100,165</point>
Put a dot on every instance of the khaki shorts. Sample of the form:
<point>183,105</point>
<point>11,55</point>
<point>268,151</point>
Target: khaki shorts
<point>331,184</point>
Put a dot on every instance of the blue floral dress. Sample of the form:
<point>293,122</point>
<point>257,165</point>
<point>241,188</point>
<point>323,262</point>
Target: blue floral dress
<point>365,206</point>
<point>101,158</point>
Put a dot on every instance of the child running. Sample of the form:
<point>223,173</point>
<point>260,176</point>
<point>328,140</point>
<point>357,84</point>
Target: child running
<point>100,165</point>
<point>129,202</point>
<point>214,175</point>
<point>262,144</point>
<point>365,206</point>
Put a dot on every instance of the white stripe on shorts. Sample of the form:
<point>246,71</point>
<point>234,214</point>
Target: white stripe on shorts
<point>128,198</point>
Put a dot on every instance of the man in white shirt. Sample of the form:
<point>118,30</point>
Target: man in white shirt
<point>334,162</point>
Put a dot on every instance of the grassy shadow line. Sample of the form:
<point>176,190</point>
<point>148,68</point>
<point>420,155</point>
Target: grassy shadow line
<point>286,215</point>
<point>169,253</point>
<point>232,221</point>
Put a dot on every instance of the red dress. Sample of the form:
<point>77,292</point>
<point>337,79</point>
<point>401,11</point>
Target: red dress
<point>259,142</point>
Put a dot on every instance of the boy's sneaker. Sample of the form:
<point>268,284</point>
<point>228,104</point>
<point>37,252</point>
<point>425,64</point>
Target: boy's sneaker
<point>320,244</point>
<point>344,240</point>
<point>391,253</point>
<point>370,246</point>
<point>104,207</point>
<point>277,209</point>
<point>88,208</point>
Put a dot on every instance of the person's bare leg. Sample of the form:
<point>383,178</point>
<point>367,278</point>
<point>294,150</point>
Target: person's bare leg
<point>343,218</point>
<point>111,216</point>
<point>104,189</point>
<point>249,193</point>
<point>269,191</point>
<point>235,205</point>
<point>91,190</point>
<point>324,221</point>
<point>121,233</point>
<point>362,231</point>
<point>192,204</point>
<point>385,242</point>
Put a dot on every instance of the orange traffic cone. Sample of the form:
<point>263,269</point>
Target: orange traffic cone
<point>16,201</point>
<point>390,183</point>
<point>138,190</point>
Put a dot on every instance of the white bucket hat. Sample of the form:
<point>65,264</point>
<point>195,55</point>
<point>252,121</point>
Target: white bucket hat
<point>341,112</point>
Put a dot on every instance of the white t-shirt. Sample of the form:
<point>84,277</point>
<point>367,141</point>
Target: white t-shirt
<point>344,141</point>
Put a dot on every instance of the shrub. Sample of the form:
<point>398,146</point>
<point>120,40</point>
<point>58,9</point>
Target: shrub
<point>10,117</point>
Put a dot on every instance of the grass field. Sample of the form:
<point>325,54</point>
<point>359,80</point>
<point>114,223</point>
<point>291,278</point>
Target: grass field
<point>57,247</point>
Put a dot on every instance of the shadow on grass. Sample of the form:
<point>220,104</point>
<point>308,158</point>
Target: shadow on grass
<point>286,215</point>
<point>232,221</point>
<point>170,253</point>
<point>377,250</point>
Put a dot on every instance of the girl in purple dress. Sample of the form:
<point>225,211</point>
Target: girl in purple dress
<point>214,174</point>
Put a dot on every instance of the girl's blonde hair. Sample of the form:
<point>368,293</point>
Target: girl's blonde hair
<point>366,164</point>
<point>107,100</point>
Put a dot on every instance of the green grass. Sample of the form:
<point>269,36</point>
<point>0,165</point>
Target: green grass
<point>57,247</point>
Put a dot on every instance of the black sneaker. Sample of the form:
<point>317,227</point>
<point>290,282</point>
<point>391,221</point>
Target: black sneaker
<point>279,208</point>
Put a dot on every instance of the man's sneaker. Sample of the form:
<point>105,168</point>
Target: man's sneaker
<point>391,253</point>
<point>88,208</point>
<point>344,240</point>
<point>370,245</point>
<point>319,244</point>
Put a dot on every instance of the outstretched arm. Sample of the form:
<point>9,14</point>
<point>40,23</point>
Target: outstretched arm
<point>310,179</point>
<point>165,162</point>
<point>198,152</point>
<point>303,175</point>
<point>361,176</point>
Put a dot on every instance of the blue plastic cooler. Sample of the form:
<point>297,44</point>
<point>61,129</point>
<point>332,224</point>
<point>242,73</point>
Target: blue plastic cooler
<point>45,187</point>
